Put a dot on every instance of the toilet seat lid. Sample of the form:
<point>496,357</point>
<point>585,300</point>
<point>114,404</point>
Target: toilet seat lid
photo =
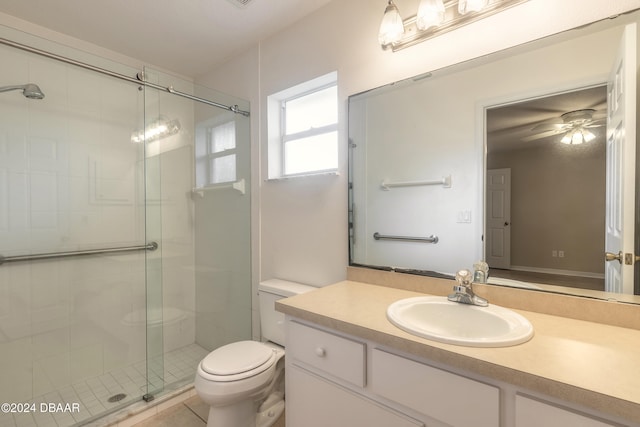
<point>236,358</point>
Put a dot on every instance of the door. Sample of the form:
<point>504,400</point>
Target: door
<point>498,233</point>
<point>621,145</point>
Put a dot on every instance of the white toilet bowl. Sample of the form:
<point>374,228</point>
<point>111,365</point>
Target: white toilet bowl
<point>243,382</point>
<point>236,379</point>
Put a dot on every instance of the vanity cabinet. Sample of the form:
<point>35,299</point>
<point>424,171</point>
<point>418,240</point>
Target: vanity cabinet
<point>323,369</point>
<point>316,402</point>
<point>332,355</point>
<point>450,398</point>
<point>333,379</point>
<point>534,413</point>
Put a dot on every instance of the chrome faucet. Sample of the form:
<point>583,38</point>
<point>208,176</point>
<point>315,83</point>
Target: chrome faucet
<point>463,292</point>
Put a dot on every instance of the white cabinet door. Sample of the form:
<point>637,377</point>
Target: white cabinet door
<point>314,402</point>
<point>441,395</point>
<point>533,413</point>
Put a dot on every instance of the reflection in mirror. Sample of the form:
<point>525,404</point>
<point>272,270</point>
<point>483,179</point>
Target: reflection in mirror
<point>436,135</point>
<point>545,198</point>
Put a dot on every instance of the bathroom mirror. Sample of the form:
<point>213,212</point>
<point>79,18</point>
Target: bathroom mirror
<point>426,154</point>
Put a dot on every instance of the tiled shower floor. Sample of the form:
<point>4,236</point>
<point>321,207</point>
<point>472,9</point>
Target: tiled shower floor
<point>91,396</point>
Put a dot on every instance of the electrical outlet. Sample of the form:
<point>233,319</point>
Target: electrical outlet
<point>554,253</point>
<point>560,254</point>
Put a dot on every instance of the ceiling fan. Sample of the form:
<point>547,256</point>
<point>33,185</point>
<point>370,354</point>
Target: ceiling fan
<point>575,126</point>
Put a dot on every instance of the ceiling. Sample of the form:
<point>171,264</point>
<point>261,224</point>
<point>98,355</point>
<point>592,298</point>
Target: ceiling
<point>523,124</point>
<point>189,37</point>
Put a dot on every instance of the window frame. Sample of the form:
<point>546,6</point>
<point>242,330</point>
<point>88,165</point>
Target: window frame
<point>203,150</point>
<point>276,126</point>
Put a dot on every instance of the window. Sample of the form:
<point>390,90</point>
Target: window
<point>216,152</point>
<point>221,153</point>
<point>303,129</point>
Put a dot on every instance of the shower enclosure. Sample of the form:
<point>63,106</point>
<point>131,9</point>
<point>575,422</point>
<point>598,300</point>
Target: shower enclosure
<point>124,231</point>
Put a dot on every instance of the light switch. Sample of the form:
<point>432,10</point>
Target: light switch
<point>464,217</point>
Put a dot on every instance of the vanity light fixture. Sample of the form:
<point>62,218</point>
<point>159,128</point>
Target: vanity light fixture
<point>434,17</point>
<point>391,27</point>
<point>158,129</point>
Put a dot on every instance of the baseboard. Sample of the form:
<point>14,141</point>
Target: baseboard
<point>559,272</point>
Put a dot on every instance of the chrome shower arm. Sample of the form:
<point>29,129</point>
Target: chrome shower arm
<point>8,88</point>
<point>29,90</point>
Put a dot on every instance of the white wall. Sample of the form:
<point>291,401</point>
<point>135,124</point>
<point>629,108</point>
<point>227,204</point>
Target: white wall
<point>303,222</point>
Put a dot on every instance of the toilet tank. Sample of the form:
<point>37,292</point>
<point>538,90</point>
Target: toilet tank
<point>272,321</point>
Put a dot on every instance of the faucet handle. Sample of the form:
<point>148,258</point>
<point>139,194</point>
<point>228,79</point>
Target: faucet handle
<point>464,277</point>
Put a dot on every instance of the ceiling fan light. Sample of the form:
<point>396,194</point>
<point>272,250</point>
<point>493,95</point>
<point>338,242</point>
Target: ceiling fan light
<point>391,27</point>
<point>430,14</point>
<point>577,138</point>
<point>587,135</point>
<point>566,139</point>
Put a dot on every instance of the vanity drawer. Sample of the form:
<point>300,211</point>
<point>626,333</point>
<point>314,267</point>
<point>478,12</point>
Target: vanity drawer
<point>337,356</point>
<point>446,397</point>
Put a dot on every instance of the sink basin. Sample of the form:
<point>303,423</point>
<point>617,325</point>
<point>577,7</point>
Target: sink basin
<point>439,319</point>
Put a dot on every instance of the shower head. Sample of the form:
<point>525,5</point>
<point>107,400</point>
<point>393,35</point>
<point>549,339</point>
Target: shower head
<point>29,90</point>
<point>32,91</point>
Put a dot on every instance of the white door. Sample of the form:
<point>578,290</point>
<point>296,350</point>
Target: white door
<point>498,232</point>
<point>621,148</point>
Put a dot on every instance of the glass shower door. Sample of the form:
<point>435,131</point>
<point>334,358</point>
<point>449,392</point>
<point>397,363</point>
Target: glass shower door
<point>104,163</point>
<point>151,133</point>
<point>199,210</point>
<point>72,328</point>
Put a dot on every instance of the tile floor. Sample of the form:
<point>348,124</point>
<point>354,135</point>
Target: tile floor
<point>92,395</point>
<point>190,413</point>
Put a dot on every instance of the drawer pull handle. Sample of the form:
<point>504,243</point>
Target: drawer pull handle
<point>320,352</point>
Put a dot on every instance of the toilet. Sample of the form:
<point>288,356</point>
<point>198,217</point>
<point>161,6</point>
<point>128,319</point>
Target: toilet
<point>243,382</point>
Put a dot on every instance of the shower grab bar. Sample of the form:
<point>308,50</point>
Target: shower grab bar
<point>148,247</point>
<point>445,181</point>
<point>431,239</point>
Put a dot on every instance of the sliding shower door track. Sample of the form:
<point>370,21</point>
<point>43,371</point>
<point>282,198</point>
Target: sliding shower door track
<point>139,79</point>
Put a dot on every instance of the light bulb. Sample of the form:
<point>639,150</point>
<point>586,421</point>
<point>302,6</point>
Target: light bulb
<point>430,14</point>
<point>588,135</point>
<point>466,6</point>
<point>391,27</point>
<point>576,138</point>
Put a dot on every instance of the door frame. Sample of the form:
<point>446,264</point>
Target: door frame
<point>481,138</point>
